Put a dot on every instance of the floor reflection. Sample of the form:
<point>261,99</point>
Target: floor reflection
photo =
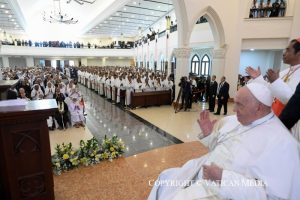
<point>104,118</point>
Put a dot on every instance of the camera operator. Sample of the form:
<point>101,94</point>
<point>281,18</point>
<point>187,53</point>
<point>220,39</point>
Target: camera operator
<point>186,93</point>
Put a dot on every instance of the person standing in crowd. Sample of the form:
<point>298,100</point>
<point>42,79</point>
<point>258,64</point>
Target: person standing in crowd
<point>186,95</point>
<point>207,85</point>
<point>275,9</point>
<point>223,96</point>
<point>212,94</point>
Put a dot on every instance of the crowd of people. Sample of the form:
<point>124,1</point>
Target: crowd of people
<point>48,83</point>
<point>114,83</point>
<point>268,9</point>
<point>70,44</point>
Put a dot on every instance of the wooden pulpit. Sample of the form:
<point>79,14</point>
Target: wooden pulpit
<point>25,158</point>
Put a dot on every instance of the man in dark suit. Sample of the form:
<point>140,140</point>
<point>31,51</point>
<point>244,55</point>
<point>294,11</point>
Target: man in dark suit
<point>212,93</point>
<point>223,95</point>
<point>291,112</point>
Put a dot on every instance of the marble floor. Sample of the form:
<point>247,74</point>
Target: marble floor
<point>104,118</point>
<point>182,125</point>
<point>129,178</point>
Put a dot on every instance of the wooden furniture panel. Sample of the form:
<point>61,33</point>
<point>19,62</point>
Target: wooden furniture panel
<point>26,171</point>
<point>155,98</point>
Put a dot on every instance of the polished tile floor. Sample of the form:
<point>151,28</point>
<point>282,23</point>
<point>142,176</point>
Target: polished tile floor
<point>129,178</point>
<point>104,118</point>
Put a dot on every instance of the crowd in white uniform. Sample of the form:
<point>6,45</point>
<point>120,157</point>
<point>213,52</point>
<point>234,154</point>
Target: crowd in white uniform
<point>110,81</point>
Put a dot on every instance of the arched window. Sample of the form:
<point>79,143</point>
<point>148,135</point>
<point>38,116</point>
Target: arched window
<point>205,65</point>
<point>195,65</point>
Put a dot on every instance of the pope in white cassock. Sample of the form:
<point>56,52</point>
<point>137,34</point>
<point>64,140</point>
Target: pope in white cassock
<point>251,156</point>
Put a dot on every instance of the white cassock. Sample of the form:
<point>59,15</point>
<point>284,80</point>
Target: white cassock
<point>117,85</point>
<point>79,75</point>
<point>129,89</point>
<point>102,82</point>
<point>93,77</point>
<point>98,83</point>
<point>113,89</point>
<point>76,112</point>
<point>107,88</point>
<point>284,90</point>
<point>263,152</point>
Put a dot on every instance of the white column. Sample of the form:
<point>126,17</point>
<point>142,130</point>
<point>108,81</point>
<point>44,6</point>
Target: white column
<point>29,61</point>
<point>218,63</point>
<point>5,61</point>
<point>84,62</point>
<point>182,65</point>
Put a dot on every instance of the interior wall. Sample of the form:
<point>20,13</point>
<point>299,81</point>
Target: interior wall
<point>17,61</point>
<point>265,59</point>
<point>202,35</point>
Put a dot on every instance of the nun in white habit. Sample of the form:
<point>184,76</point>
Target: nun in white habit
<point>251,156</point>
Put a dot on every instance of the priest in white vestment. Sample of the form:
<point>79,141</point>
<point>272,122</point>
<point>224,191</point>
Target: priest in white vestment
<point>251,156</point>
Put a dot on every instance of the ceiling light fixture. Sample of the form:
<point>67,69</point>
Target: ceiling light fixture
<point>57,16</point>
<point>81,2</point>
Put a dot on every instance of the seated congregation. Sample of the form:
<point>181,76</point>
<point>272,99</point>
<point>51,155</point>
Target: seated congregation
<point>37,84</point>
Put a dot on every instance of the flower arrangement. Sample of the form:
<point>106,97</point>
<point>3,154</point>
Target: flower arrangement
<point>89,153</point>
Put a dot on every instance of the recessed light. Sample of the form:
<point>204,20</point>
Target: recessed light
<point>12,20</point>
<point>2,6</point>
<point>132,16</point>
<point>252,49</point>
<point>124,8</point>
<point>127,20</point>
<point>10,16</point>
<point>110,18</point>
<point>134,3</point>
<point>6,11</point>
<point>152,13</point>
<point>158,6</point>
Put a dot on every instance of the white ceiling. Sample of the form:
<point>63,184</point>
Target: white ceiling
<point>8,19</point>
<point>102,18</point>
